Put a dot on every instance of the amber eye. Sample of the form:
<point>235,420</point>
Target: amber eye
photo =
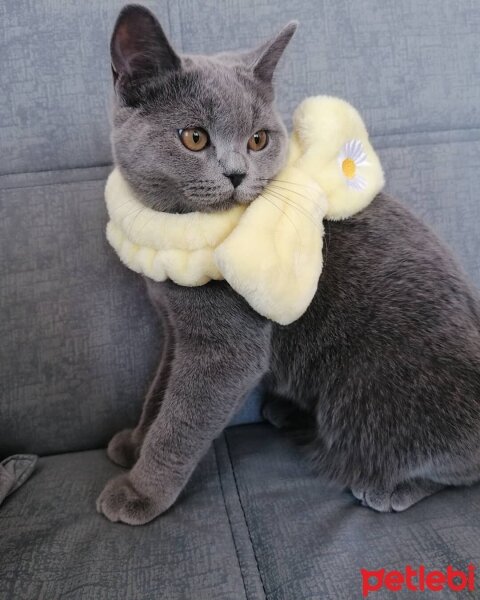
<point>194,138</point>
<point>258,141</point>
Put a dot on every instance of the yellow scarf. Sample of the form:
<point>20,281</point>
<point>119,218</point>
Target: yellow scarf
<point>271,251</point>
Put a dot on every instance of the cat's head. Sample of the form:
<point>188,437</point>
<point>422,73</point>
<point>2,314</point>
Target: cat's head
<point>193,133</point>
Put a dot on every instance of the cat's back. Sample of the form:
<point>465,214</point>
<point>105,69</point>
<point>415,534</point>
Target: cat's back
<point>395,269</point>
<point>386,236</point>
<point>389,288</point>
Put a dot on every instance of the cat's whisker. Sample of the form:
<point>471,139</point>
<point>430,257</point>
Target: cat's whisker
<point>139,212</point>
<point>308,198</point>
<point>274,185</point>
<point>132,212</point>
<point>154,207</point>
<point>326,239</point>
<point>281,210</point>
<point>123,204</point>
<point>274,180</point>
<point>279,190</point>
<point>301,209</point>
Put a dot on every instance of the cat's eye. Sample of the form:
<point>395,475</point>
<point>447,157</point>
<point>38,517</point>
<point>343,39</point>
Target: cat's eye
<point>258,141</point>
<point>194,138</point>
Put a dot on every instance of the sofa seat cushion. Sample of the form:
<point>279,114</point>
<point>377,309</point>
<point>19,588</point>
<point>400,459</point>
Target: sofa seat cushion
<point>253,523</point>
<point>79,340</point>
<point>312,541</point>
<point>88,338</point>
<point>405,65</point>
<point>53,544</point>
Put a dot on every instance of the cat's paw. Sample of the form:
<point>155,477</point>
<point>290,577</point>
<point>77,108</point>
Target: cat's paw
<point>121,502</point>
<point>398,499</point>
<point>379,500</point>
<point>279,412</point>
<point>274,413</point>
<point>124,449</point>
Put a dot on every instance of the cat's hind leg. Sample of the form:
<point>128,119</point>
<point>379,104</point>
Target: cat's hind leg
<point>456,470</point>
<point>402,496</point>
<point>284,414</point>
<point>123,449</point>
<point>447,470</point>
<point>277,411</point>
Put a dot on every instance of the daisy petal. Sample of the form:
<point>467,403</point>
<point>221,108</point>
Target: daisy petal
<point>362,159</point>
<point>360,182</point>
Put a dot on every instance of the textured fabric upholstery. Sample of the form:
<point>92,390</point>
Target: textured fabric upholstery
<point>407,66</point>
<point>253,523</point>
<point>14,471</point>
<point>55,546</point>
<point>78,340</point>
<point>311,541</point>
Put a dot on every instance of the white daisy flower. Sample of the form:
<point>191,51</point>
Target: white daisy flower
<point>352,156</point>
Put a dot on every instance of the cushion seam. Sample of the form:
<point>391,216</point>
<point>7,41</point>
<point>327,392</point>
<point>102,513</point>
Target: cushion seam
<point>377,140</point>
<point>244,515</point>
<point>53,183</point>
<point>229,520</point>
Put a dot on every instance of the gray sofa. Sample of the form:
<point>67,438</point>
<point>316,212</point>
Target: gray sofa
<point>79,341</point>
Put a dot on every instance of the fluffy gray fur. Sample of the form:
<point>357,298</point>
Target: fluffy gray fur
<point>381,376</point>
<point>229,95</point>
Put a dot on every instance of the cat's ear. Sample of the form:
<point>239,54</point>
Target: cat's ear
<point>264,59</point>
<point>139,48</point>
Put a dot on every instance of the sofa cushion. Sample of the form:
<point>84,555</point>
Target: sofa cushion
<point>79,340</point>
<point>254,522</point>
<point>311,542</point>
<point>56,81</point>
<point>54,545</point>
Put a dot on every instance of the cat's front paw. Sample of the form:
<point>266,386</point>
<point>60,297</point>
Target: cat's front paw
<point>124,449</point>
<point>121,502</point>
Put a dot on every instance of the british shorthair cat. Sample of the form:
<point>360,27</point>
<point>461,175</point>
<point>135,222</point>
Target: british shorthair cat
<point>381,375</point>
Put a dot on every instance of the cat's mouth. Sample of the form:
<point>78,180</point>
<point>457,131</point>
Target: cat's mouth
<point>244,197</point>
<point>237,197</point>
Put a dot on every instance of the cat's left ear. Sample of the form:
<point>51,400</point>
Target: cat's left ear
<point>264,59</point>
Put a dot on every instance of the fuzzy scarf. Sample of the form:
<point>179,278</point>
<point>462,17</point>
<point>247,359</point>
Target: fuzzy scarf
<point>271,251</point>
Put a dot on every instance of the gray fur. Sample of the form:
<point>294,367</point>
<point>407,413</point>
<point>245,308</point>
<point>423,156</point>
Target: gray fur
<point>229,95</point>
<point>380,377</point>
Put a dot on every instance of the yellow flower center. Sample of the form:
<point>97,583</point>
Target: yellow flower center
<point>349,168</point>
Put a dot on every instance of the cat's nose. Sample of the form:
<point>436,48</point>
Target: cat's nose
<point>235,178</point>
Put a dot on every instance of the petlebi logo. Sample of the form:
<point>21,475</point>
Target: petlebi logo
<point>418,579</point>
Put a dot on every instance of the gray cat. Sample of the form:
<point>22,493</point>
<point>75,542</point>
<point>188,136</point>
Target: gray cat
<point>381,375</point>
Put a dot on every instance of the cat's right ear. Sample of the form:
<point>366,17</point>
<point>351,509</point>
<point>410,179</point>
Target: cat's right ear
<point>264,59</point>
<point>139,48</point>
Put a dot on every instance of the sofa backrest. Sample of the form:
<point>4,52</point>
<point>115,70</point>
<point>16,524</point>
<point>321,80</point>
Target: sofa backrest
<point>78,339</point>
